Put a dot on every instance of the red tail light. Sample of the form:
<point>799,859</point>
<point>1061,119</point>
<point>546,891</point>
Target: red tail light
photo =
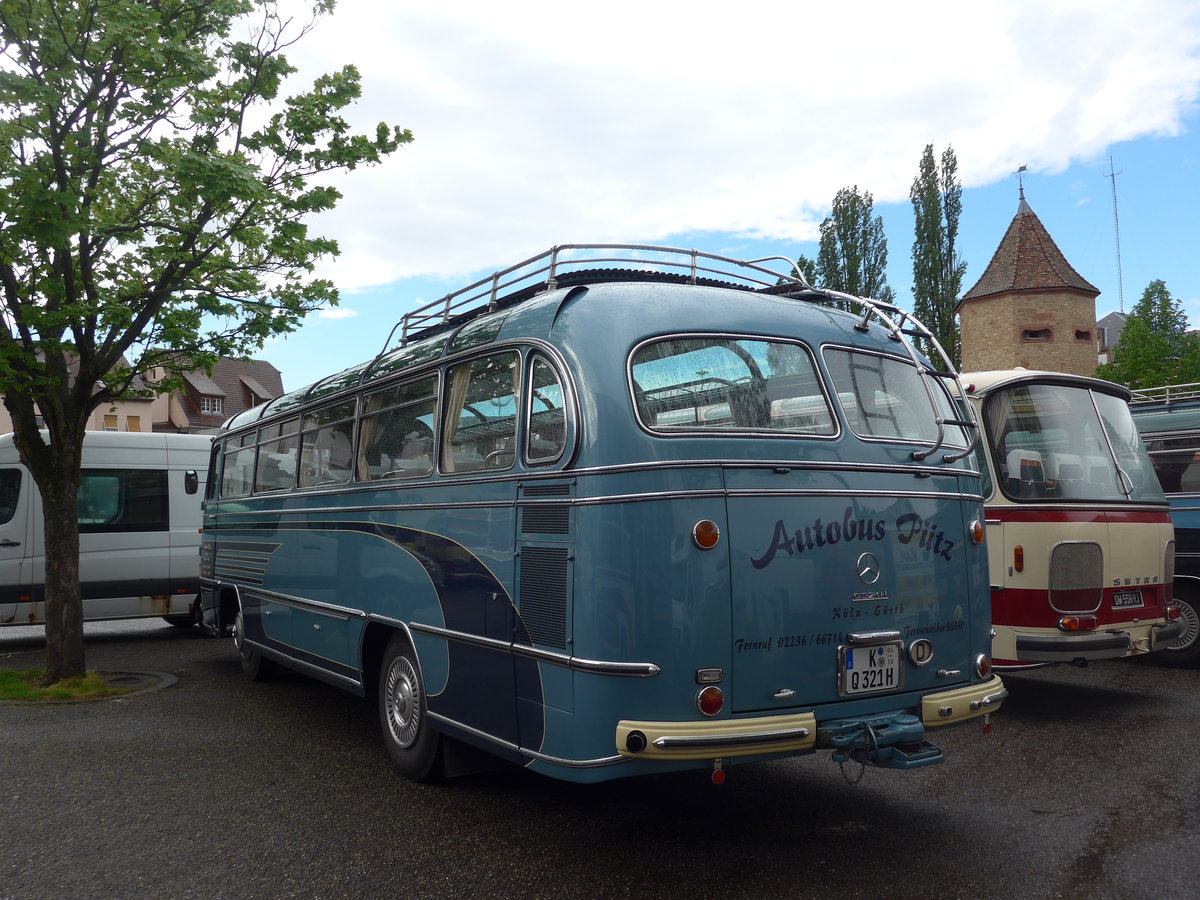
<point>1077,623</point>
<point>711,700</point>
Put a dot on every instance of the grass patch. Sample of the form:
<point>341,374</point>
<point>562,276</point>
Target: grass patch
<point>16,685</point>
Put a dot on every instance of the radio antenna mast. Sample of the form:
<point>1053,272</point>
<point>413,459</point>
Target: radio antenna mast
<point>1117,231</point>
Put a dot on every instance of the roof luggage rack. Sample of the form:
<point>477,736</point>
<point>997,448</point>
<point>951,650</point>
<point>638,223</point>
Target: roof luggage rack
<point>1167,393</point>
<point>567,264</point>
<point>570,264</point>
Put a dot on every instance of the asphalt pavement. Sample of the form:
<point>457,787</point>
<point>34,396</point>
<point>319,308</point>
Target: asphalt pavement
<point>215,786</point>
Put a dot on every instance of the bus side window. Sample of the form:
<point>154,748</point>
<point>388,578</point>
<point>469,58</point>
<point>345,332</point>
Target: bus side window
<point>547,437</point>
<point>396,438</point>
<point>328,442</point>
<point>480,418</point>
<point>276,469</point>
<point>237,471</point>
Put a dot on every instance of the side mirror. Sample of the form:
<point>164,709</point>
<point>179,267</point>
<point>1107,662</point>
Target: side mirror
<point>191,481</point>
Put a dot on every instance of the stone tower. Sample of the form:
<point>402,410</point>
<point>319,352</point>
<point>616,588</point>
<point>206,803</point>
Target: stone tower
<point>1030,308</point>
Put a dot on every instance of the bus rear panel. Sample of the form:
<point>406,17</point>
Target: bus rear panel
<point>1080,543</point>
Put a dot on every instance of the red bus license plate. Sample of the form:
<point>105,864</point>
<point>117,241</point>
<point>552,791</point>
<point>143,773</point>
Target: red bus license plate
<point>1126,599</point>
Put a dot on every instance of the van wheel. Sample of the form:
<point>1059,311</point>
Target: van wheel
<point>1185,652</point>
<point>412,743</point>
<point>255,666</point>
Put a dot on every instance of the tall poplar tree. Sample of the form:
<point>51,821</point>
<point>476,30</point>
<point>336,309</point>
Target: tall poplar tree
<point>155,207</point>
<point>938,270</point>
<point>852,254</point>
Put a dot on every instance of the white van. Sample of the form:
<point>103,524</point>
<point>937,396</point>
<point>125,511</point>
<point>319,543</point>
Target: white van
<point>139,529</point>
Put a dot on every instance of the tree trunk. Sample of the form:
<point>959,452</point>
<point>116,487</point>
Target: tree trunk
<point>64,603</point>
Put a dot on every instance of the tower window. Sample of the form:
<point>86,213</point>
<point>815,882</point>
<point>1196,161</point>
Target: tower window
<point>1082,334</point>
<point>1036,334</point>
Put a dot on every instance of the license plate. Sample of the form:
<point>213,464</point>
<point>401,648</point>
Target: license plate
<point>1125,599</point>
<point>870,669</point>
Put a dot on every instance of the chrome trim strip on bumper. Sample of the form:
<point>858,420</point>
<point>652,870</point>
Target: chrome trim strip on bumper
<point>702,742</point>
<point>533,755</point>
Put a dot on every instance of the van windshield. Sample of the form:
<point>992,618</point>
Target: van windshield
<point>724,384</point>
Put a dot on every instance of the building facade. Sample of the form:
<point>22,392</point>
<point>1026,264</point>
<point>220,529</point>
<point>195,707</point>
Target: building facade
<point>1030,307</point>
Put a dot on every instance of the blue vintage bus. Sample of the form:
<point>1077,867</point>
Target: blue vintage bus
<point>1168,419</point>
<point>619,510</point>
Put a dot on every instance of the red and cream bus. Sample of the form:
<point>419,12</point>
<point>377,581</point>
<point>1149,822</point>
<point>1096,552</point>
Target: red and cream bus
<point>1080,543</point>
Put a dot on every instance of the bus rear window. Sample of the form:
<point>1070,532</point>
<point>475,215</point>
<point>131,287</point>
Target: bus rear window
<point>883,398</point>
<point>725,384</point>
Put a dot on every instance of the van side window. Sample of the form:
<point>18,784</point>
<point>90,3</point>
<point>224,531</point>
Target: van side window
<point>396,438</point>
<point>480,419</point>
<point>10,493</point>
<point>328,442</point>
<point>122,500</point>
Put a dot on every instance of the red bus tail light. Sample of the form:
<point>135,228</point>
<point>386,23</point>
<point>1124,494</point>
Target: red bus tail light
<point>1077,623</point>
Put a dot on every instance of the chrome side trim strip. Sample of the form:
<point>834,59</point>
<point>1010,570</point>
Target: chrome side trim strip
<point>533,755</point>
<point>318,672</point>
<point>577,663</point>
<point>715,493</point>
<point>304,603</point>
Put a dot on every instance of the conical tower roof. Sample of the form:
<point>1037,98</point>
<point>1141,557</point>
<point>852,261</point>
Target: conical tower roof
<point>1027,260</point>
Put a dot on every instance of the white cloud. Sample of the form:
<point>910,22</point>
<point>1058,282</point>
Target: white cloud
<point>540,123</point>
<point>337,312</point>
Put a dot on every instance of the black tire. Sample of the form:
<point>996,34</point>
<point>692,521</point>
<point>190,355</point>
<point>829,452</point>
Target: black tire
<point>1185,652</point>
<point>255,666</point>
<point>413,744</point>
<point>182,622</point>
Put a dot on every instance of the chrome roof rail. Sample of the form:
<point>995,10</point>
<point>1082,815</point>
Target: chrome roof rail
<point>544,272</point>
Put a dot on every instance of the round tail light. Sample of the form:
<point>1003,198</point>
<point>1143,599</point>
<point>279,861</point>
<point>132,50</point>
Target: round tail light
<point>710,700</point>
<point>983,665</point>
<point>706,534</point>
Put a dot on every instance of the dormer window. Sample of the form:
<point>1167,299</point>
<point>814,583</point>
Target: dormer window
<point>212,405</point>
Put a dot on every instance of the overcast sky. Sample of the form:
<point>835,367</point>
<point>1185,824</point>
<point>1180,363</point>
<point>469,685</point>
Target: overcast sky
<point>537,124</point>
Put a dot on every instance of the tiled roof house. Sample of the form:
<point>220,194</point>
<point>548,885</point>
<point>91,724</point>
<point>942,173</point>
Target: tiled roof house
<point>203,404</point>
<point>1030,307</point>
<point>206,401</point>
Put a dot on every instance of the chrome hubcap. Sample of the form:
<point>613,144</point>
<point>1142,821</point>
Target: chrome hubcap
<point>402,696</point>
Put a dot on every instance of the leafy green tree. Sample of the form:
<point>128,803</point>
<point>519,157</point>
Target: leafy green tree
<point>938,270</point>
<point>852,253</point>
<point>1156,347</point>
<point>156,195</point>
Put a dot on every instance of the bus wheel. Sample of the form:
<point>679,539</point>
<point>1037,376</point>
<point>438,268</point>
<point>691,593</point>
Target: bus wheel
<point>412,743</point>
<point>255,666</point>
<point>1186,650</point>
